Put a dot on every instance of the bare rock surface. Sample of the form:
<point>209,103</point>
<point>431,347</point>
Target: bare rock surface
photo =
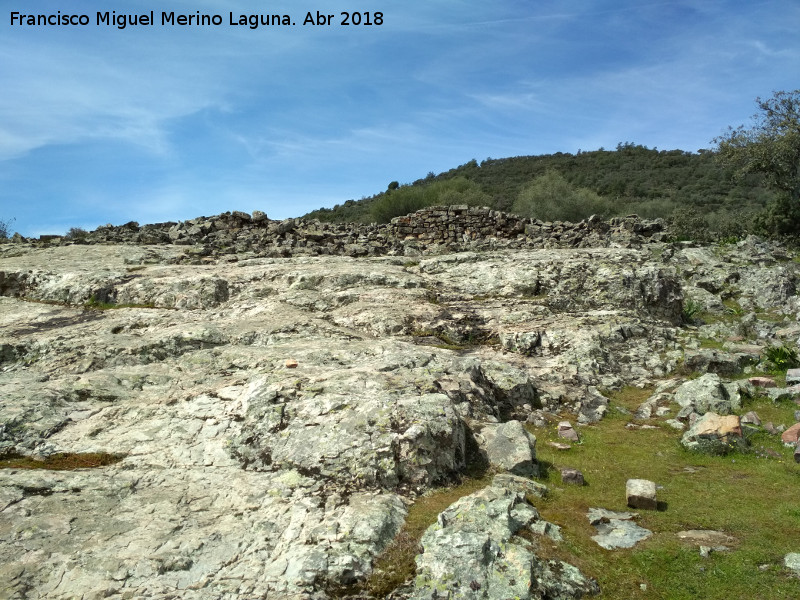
<point>616,529</point>
<point>280,392</point>
<point>475,550</point>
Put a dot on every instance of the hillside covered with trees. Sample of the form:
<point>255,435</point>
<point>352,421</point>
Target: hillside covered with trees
<point>695,190</point>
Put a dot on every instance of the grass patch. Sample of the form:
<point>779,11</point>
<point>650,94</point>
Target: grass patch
<point>691,311</point>
<point>95,304</point>
<point>396,564</point>
<point>750,496</point>
<point>445,342</point>
<point>711,344</point>
<point>63,461</point>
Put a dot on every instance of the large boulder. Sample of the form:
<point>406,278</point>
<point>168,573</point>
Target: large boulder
<point>476,550</point>
<point>708,393</point>
<point>714,434</point>
<point>509,446</point>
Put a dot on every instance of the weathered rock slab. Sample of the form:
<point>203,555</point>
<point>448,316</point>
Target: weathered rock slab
<point>472,552</point>
<point>616,529</point>
<point>708,393</point>
<point>714,434</point>
<point>509,446</point>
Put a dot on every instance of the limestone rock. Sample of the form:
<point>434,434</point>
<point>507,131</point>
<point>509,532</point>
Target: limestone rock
<point>707,393</point>
<point>472,551</point>
<point>616,529</point>
<point>641,493</point>
<point>714,434</point>
<point>566,431</point>
<point>511,447</point>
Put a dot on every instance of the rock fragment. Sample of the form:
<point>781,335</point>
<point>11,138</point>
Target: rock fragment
<point>792,561</point>
<point>641,493</point>
<point>572,476</point>
<point>750,418</point>
<point>567,432</point>
<point>616,529</point>
<point>762,382</point>
<point>791,436</point>
<point>792,376</point>
<point>714,434</point>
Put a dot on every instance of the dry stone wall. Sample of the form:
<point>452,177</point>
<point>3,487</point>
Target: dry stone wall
<point>427,231</point>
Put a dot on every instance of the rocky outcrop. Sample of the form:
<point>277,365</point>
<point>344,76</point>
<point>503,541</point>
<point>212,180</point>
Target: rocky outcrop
<point>708,393</point>
<point>484,546</point>
<point>277,394</point>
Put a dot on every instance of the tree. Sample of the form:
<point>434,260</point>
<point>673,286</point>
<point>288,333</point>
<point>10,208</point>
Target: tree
<point>5,228</point>
<point>771,147</point>
<point>552,197</point>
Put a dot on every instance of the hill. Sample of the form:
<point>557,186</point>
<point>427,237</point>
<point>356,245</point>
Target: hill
<point>692,189</point>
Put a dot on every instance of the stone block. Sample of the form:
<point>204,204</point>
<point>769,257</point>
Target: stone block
<point>763,382</point>
<point>566,431</point>
<point>572,477</point>
<point>641,493</point>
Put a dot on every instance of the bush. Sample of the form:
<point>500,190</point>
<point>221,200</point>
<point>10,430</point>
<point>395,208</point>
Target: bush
<point>5,228</point>
<point>550,197</point>
<point>408,199</point>
<point>76,233</point>
<point>783,357</point>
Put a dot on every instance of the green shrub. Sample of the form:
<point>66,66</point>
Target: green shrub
<point>783,357</point>
<point>691,310</point>
<point>5,228</point>
<point>550,197</point>
<point>76,233</point>
<point>408,199</point>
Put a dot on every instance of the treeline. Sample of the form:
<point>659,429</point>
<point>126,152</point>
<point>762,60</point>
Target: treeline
<point>700,197</point>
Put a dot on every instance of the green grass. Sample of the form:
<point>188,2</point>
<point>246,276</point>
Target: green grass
<point>94,304</point>
<point>65,461</point>
<point>711,344</point>
<point>396,564</point>
<point>750,496</point>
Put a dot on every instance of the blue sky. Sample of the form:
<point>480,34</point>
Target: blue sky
<point>100,125</point>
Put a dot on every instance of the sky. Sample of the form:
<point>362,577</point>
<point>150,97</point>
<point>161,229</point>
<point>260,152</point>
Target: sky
<point>167,122</point>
